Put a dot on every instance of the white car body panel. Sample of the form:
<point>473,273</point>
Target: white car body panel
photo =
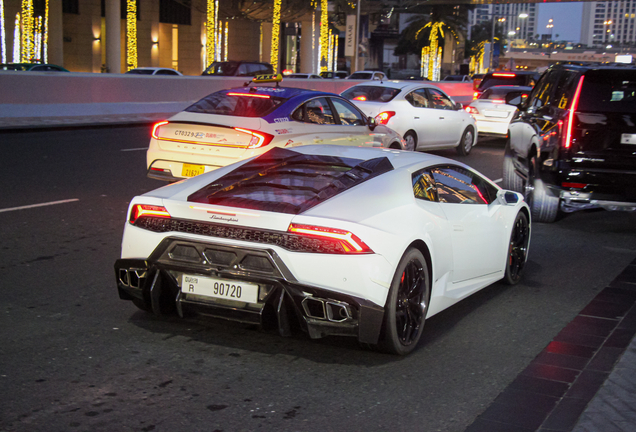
<point>468,243</point>
<point>435,128</point>
<point>493,118</point>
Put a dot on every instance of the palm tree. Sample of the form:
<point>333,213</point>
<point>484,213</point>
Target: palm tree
<point>426,35</point>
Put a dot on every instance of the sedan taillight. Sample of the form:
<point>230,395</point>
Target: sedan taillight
<point>471,110</point>
<point>384,117</point>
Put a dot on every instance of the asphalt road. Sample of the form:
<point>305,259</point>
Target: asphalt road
<point>73,357</point>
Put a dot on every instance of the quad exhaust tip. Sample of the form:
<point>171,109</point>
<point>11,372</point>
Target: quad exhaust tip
<point>133,278</point>
<point>329,310</point>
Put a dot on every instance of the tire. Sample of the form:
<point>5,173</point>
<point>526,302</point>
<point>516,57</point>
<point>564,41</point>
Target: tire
<point>545,206</point>
<point>411,141</point>
<point>406,305</point>
<point>511,179</point>
<point>466,143</point>
<point>517,250</point>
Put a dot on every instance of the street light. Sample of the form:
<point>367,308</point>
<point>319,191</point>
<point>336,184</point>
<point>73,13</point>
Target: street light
<point>550,26</point>
<point>492,36</point>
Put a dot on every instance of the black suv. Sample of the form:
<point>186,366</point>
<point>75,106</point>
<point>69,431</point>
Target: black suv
<point>573,143</point>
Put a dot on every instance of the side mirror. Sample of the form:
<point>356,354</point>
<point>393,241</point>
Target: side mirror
<point>516,99</point>
<point>508,197</point>
<point>459,106</point>
<point>371,122</point>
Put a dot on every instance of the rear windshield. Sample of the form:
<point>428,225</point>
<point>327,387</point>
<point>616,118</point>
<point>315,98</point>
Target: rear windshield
<point>285,181</point>
<point>499,93</point>
<point>371,93</point>
<point>520,80</point>
<point>222,68</point>
<point>608,91</point>
<point>361,75</point>
<point>237,104</point>
<point>14,67</point>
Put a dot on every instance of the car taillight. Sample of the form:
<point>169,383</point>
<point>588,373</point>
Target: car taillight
<point>503,74</point>
<point>475,95</point>
<point>140,210</point>
<point>348,242</point>
<point>360,98</point>
<point>259,139</point>
<point>567,137</point>
<point>384,117</point>
<point>155,128</point>
<point>573,185</point>
<point>471,110</point>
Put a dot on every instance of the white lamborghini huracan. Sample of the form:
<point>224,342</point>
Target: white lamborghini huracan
<point>364,242</point>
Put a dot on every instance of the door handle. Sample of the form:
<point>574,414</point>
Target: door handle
<point>416,118</point>
<point>441,118</point>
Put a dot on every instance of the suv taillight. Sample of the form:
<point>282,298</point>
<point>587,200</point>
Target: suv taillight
<point>569,120</point>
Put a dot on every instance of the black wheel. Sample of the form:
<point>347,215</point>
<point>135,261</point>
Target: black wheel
<point>511,179</point>
<point>406,305</point>
<point>518,249</point>
<point>545,206</point>
<point>411,141</point>
<point>141,304</point>
<point>466,143</point>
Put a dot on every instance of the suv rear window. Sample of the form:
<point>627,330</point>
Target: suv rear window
<point>234,104</point>
<point>286,181</point>
<point>510,79</point>
<point>608,91</point>
<point>371,93</point>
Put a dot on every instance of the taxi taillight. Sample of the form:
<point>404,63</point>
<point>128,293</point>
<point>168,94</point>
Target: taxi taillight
<point>471,110</point>
<point>141,210</point>
<point>155,128</point>
<point>259,139</point>
<point>348,242</point>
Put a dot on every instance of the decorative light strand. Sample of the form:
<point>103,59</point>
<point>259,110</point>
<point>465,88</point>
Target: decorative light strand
<point>45,41</point>
<point>37,39</point>
<point>275,34</point>
<point>324,35</point>
<point>210,32</point>
<point>17,58</point>
<point>227,23</point>
<point>131,34</point>
<point>335,53</point>
<point>27,31</point>
<point>330,51</point>
<point>2,35</point>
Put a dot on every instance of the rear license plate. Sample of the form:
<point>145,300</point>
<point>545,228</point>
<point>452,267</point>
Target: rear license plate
<point>219,288</point>
<point>628,138</point>
<point>189,170</point>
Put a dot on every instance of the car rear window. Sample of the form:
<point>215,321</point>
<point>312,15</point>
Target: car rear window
<point>286,181</point>
<point>500,93</point>
<point>497,80</point>
<point>371,93</point>
<point>239,104</point>
<point>608,91</point>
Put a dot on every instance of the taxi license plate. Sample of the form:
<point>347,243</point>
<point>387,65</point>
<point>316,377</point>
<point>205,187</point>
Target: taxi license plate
<point>628,138</point>
<point>219,288</point>
<point>189,170</point>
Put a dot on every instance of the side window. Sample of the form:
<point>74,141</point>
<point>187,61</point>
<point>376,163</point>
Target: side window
<point>242,70</point>
<point>424,186</point>
<point>418,98</point>
<point>348,115</point>
<point>318,111</point>
<point>458,185</point>
<point>440,101</point>
<point>543,90</point>
<point>565,88</point>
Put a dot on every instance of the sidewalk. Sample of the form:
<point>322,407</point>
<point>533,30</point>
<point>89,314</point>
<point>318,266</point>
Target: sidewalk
<point>584,380</point>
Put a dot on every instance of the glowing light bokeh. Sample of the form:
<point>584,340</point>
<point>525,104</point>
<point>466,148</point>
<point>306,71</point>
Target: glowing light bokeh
<point>131,34</point>
<point>275,34</point>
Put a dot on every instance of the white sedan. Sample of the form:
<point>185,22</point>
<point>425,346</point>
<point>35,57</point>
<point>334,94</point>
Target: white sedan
<point>346,241</point>
<point>235,124</point>
<point>425,116</point>
<point>491,111</point>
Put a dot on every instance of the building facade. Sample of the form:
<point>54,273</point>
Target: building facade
<point>511,19</point>
<point>609,23</point>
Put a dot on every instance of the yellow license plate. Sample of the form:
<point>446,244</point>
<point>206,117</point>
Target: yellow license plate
<point>190,170</point>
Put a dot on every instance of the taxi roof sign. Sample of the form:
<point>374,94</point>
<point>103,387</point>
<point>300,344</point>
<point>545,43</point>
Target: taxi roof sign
<point>267,78</point>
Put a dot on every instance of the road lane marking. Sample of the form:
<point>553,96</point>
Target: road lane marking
<point>498,180</point>
<point>38,205</point>
<point>135,149</point>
